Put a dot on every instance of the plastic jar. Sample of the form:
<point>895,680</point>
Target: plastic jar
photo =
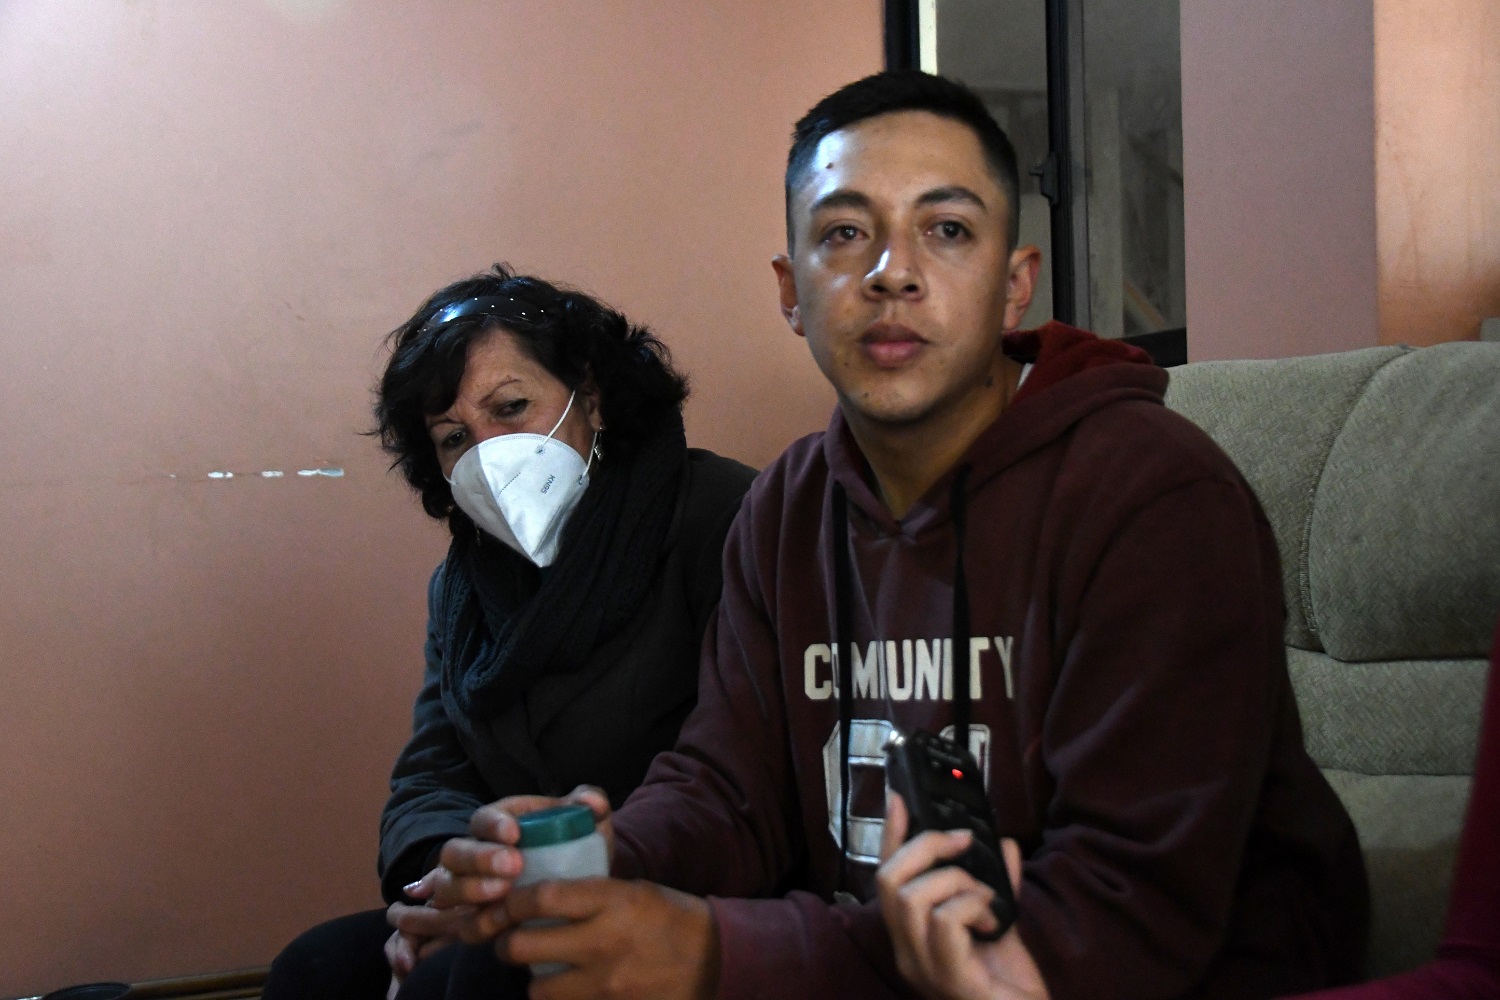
<point>559,843</point>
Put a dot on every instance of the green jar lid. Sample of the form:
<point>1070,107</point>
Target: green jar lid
<point>557,825</point>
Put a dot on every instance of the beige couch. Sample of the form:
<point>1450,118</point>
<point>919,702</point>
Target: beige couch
<point>1380,472</point>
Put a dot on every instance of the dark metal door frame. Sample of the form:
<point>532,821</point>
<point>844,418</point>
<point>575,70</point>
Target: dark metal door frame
<point>903,35</point>
<point>1068,137</point>
<point>1061,174</point>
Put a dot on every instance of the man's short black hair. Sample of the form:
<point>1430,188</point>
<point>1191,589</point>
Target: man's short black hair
<point>905,90</point>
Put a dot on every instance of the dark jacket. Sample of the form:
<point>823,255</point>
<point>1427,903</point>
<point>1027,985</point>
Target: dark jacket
<point>1132,711</point>
<point>599,725</point>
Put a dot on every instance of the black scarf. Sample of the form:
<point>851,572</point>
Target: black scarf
<point>510,623</point>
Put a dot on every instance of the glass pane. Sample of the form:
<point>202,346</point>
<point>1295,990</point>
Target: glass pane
<point>999,47</point>
<point>1132,75</point>
<point>1129,196</point>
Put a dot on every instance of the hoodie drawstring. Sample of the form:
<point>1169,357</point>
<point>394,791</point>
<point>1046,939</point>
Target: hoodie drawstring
<point>843,644</point>
<point>957,510</point>
<point>844,657</point>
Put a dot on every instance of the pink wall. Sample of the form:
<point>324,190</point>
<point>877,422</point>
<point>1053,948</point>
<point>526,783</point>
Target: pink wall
<point>1437,167</point>
<point>1279,177</point>
<point>209,215</point>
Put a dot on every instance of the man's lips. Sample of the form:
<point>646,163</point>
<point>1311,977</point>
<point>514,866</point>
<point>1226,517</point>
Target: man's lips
<point>891,345</point>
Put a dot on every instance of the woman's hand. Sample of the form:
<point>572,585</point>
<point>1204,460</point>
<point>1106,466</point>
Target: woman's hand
<point>475,873</point>
<point>931,913</point>
<point>420,930</point>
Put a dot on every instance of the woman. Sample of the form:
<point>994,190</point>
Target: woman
<point>565,623</point>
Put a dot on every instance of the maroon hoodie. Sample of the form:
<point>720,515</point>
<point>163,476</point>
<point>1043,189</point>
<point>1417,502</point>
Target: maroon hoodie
<point>1130,704</point>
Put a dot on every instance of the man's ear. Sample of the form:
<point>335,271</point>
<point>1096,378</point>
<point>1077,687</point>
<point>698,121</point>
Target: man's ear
<point>1020,284</point>
<point>786,285</point>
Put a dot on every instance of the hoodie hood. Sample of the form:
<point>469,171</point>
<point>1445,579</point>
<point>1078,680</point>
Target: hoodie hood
<point>1074,373</point>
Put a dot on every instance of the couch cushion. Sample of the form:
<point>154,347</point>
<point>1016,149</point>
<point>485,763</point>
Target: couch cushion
<point>1404,548</point>
<point>1278,420</point>
<point>1404,717</point>
<point>1409,828</point>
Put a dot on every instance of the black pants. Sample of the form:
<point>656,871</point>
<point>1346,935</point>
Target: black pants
<point>476,974</point>
<point>345,958</point>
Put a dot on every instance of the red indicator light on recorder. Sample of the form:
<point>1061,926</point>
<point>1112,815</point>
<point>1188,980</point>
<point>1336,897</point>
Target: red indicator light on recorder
<point>958,774</point>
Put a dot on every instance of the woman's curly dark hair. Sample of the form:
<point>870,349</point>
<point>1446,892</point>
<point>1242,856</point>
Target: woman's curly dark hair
<point>572,335</point>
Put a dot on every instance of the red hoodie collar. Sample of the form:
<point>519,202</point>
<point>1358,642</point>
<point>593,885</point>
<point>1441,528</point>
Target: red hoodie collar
<point>1058,350</point>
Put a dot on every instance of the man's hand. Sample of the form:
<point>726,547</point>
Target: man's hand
<point>476,872</point>
<point>624,941</point>
<point>930,913</point>
<point>420,930</point>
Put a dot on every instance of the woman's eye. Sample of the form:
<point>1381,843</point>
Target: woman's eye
<point>514,408</point>
<point>452,440</point>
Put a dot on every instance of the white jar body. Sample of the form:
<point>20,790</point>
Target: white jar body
<point>586,857</point>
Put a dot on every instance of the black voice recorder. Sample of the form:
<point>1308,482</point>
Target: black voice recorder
<point>943,790</point>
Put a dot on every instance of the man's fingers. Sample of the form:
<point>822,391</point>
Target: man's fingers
<point>931,890</point>
<point>893,831</point>
<point>564,899</point>
<point>919,854</point>
<point>570,900</point>
<point>949,934</point>
<point>572,943</point>
<point>484,923</point>
<point>598,803</point>
<point>626,939</point>
<point>575,901</point>
<point>908,910</point>
<point>1011,852</point>
<point>969,910</point>
<point>473,872</point>
<point>569,984</point>
<point>592,796</point>
<point>496,822</point>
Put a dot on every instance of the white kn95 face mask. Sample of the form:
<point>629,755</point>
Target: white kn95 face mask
<point>520,488</point>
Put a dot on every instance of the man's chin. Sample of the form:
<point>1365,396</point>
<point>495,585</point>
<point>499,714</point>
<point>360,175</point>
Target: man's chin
<point>892,414</point>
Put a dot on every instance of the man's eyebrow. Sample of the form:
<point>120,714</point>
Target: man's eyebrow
<point>845,198</point>
<point>840,198</point>
<point>953,192</point>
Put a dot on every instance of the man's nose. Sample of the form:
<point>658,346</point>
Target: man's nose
<point>897,271</point>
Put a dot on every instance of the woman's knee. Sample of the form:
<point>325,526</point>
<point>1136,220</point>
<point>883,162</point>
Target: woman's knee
<point>341,957</point>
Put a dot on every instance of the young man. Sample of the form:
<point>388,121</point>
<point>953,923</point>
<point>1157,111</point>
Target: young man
<point>1016,509</point>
